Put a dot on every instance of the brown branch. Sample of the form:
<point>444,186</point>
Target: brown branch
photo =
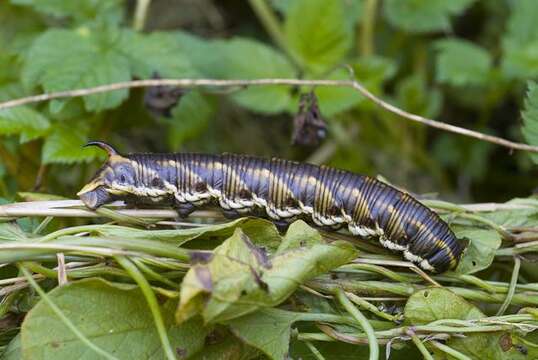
<point>263,82</point>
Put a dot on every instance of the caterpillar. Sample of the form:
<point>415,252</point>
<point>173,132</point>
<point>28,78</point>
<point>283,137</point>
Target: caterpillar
<point>281,190</point>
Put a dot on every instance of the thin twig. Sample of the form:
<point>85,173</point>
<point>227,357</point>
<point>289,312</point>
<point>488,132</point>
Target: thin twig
<point>263,82</point>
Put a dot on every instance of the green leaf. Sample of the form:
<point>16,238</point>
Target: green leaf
<point>318,34</point>
<point>520,41</point>
<point>486,346</point>
<point>226,347</point>
<point>10,231</point>
<point>190,118</point>
<point>240,278</point>
<point>414,95</point>
<point>248,59</point>
<point>13,350</point>
<point>371,71</point>
<point>527,216</point>
<point>18,27</point>
<point>67,60</point>
<point>338,350</point>
<point>454,67</point>
<point>530,118</point>
<point>65,144</point>
<point>334,100</point>
<point>353,9</point>
<point>81,10</point>
<point>433,304</point>
<point>158,52</point>
<point>25,121</point>
<point>263,232</point>
<point>267,329</point>
<point>423,15</point>
<point>114,317</point>
<point>481,249</point>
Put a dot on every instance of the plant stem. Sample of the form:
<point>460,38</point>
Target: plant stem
<point>370,307</point>
<point>152,303</point>
<point>140,15</point>
<point>40,269</point>
<point>314,351</point>
<point>273,27</point>
<point>367,27</point>
<point>42,225</point>
<point>447,349</point>
<point>153,274</point>
<point>362,320</point>
<point>420,346</point>
<point>62,316</point>
<point>512,288</point>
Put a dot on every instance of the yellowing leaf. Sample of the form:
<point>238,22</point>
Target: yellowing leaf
<point>239,278</point>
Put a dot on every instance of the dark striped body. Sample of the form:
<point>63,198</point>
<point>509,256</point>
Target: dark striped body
<point>284,191</point>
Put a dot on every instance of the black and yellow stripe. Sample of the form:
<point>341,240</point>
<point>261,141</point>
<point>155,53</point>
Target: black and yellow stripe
<point>282,190</point>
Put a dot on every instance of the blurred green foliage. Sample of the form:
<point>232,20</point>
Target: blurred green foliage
<point>464,62</point>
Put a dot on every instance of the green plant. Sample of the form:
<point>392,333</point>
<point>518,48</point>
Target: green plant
<point>444,59</point>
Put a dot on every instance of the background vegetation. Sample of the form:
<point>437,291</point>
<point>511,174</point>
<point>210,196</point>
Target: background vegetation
<point>469,63</point>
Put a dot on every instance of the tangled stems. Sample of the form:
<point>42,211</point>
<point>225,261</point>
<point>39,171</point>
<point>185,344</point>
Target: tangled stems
<point>362,320</point>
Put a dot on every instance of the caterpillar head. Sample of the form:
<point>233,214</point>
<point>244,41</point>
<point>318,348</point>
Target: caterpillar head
<point>111,181</point>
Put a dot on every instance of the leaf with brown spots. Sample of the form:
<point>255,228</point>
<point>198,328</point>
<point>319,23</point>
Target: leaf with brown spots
<point>244,278</point>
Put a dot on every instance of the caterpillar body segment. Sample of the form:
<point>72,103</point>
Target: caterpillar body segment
<point>281,190</point>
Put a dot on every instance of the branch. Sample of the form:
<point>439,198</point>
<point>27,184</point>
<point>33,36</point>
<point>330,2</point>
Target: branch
<point>75,208</point>
<point>263,82</point>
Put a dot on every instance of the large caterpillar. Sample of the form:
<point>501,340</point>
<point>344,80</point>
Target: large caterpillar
<point>281,190</point>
